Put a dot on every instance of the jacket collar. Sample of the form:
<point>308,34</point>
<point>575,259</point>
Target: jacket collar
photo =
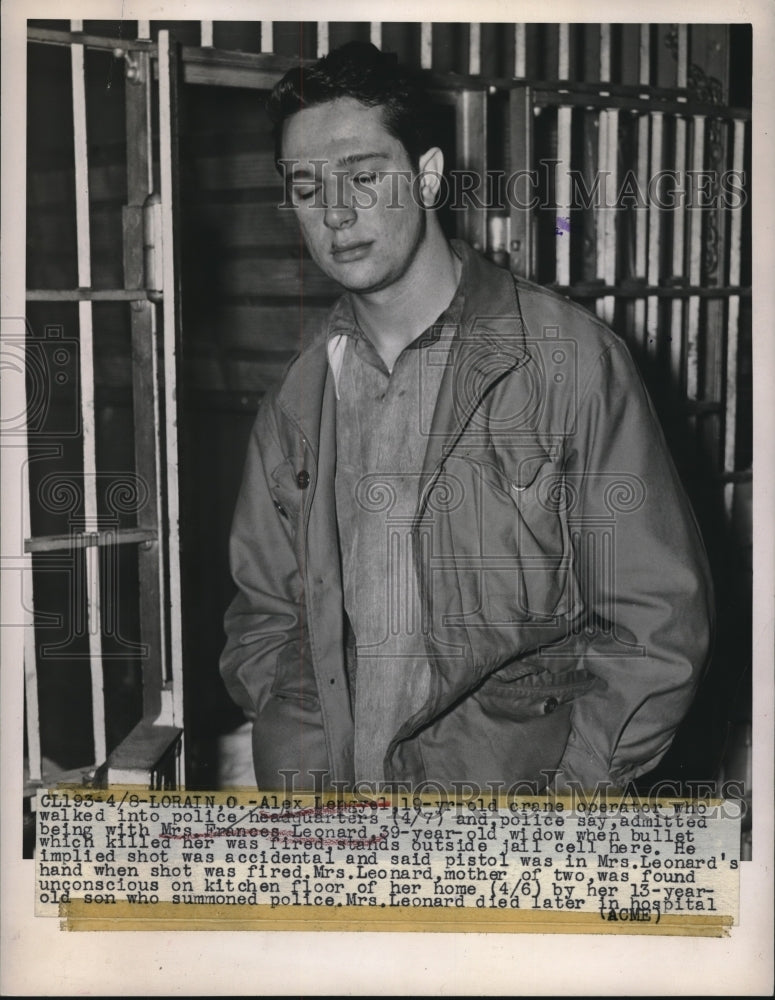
<point>489,342</point>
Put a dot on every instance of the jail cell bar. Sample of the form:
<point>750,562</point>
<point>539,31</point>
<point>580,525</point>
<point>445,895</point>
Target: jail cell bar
<point>675,306</point>
<point>151,753</point>
<point>86,339</point>
<point>733,319</point>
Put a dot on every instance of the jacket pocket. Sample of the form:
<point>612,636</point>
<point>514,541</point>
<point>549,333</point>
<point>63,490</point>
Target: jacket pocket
<point>513,534</point>
<point>532,695</point>
<point>294,678</point>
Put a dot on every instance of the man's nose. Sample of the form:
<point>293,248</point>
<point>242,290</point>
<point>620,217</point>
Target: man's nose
<point>340,211</point>
<point>339,216</point>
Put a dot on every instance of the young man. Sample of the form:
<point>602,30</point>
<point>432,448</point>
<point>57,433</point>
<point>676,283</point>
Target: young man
<point>462,552</point>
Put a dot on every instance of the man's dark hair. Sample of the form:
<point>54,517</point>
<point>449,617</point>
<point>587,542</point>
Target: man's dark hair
<point>358,70</point>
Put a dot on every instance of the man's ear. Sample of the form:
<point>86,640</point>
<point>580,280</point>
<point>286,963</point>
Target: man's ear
<point>431,170</point>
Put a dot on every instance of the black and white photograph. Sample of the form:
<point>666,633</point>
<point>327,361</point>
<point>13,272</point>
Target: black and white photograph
<point>385,412</point>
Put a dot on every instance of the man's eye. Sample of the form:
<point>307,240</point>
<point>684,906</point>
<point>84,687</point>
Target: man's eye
<point>304,194</point>
<point>365,178</point>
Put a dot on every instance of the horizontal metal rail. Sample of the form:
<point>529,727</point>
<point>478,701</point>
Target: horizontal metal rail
<point>259,70</point>
<point>89,539</point>
<point>50,36</point>
<point>631,291</point>
<point>638,103</point>
<point>86,295</point>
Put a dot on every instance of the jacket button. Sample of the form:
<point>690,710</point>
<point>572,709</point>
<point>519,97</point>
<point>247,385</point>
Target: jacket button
<point>279,508</point>
<point>549,705</point>
<point>303,479</point>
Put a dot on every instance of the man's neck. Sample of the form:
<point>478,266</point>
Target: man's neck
<point>395,316</point>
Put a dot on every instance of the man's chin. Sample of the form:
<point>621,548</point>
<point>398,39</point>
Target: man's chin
<point>360,283</point>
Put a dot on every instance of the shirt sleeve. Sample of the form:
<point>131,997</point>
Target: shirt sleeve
<point>643,573</point>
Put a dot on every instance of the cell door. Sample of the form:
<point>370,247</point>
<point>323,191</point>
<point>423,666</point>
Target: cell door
<point>100,564</point>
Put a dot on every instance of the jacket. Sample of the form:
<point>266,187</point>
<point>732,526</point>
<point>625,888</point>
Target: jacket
<point>566,595</point>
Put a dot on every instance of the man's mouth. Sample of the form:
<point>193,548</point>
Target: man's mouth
<point>350,251</point>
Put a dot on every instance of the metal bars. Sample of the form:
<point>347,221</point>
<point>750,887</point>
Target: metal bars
<point>520,51</point>
<point>32,703</point>
<point>654,227</point>
<point>562,172</point>
<point>695,261</point>
<point>157,546</point>
<point>171,311</point>
<point>426,45</point>
<point>471,130</point>
<point>322,38</point>
<point>145,393</point>
<point>475,49</point>
<point>521,158</point>
<point>607,158</point>
<point>733,317</point>
<point>89,539</point>
<point>684,258</point>
<point>677,349</point>
<point>86,362</point>
<point>642,175</point>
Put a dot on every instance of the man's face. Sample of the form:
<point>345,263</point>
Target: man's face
<point>349,183</point>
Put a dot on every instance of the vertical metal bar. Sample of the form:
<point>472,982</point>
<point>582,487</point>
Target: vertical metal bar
<point>588,216</point>
<point>655,223</point>
<point>605,53</point>
<point>695,260</point>
<point>602,227</point>
<point>644,55</point>
<point>86,351</point>
<point>322,38</point>
<point>604,306</point>
<point>206,35</point>
<point>641,219</point>
<point>682,56</point>
<point>81,162</point>
<point>563,55</point>
<point>520,50</point>
<point>426,45</point>
<point>609,218</point>
<point>677,307</point>
<point>475,49</point>
<point>735,233</point>
<point>520,164</point>
<point>471,131</point>
<point>171,314</point>
<point>562,169</point>
<point>708,45</point>
<point>32,714</point>
<point>145,393</point>
<point>713,344</point>
<point>563,197</point>
<point>375,33</point>
<point>267,36</point>
<point>142,315</point>
<point>144,31</point>
<point>611,177</point>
